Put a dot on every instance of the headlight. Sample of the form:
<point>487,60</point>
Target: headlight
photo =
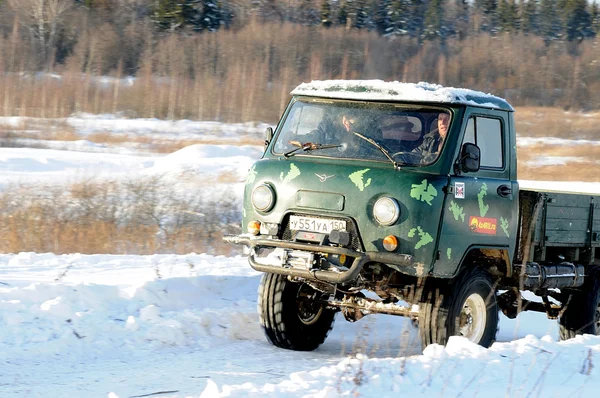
<point>386,211</point>
<point>263,198</point>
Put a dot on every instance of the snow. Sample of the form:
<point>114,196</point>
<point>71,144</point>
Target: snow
<point>94,325</point>
<point>530,141</point>
<point>29,165</point>
<point>163,129</point>
<point>554,161</point>
<point>592,188</point>
<point>398,91</point>
<point>186,325</point>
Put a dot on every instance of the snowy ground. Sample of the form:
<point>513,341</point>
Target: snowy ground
<point>88,326</point>
<point>166,325</point>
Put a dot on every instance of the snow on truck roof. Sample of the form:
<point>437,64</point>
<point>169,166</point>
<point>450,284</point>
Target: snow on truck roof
<point>378,90</point>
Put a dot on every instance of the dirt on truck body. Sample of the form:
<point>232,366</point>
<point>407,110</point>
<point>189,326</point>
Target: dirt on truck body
<point>410,192</point>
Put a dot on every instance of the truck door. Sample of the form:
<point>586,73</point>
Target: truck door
<point>480,208</point>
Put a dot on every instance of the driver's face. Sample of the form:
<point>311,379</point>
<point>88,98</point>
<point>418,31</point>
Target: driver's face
<point>443,123</point>
<point>348,122</point>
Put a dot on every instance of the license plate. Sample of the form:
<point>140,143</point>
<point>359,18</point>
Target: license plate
<point>323,225</point>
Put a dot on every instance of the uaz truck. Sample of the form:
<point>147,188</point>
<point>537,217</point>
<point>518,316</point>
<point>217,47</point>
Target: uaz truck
<point>402,199</point>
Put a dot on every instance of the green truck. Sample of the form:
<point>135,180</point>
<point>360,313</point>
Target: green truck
<point>403,199</point>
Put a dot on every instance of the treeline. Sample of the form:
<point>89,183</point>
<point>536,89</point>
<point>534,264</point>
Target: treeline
<point>53,29</point>
<point>237,60</point>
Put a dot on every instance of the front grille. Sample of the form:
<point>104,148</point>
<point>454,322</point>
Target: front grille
<point>351,228</point>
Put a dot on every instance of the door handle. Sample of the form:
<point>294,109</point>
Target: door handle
<point>504,191</point>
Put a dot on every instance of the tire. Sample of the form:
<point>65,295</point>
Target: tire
<point>300,325</point>
<point>467,307</point>
<point>582,312</point>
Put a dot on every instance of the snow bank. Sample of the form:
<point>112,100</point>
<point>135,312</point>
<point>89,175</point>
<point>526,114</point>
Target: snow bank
<point>203,160</point>
<point>527,367</point>
<point>107,302</point>
<point>199,163</point>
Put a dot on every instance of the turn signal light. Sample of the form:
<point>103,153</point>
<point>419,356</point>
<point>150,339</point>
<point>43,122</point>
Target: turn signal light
<point>254,227</point>
<point>390,243</point>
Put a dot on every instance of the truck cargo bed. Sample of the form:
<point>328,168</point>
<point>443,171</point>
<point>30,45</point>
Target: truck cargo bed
<point>556,226</point>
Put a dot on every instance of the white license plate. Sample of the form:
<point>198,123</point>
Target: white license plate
<point>323,225</point>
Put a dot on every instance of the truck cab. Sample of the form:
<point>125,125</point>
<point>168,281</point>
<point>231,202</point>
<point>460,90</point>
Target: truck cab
<point>408,191</point>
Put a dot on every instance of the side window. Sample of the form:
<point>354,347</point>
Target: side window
<point>486,133</point>
<point>470,132</point>
<point>489,140</point>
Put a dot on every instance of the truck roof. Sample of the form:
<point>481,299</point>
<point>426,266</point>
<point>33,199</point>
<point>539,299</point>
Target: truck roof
<point>378,90</point>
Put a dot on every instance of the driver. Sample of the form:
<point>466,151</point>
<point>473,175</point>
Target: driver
<point>433,142</point>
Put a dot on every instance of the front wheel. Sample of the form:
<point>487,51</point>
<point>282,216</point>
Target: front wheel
<point>467,308</point>
<point>292,314</point>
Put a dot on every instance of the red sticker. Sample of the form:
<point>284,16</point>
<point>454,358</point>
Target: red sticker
<point>482,225</point>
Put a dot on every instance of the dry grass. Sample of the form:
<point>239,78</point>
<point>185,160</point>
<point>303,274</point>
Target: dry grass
<point>585,168</point>
<point>37,129</point>
<point>555,122</point>
<point>131,217</point>
<point>584,171</point>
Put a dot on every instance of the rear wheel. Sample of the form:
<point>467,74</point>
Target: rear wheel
<point>467,308</point>
<point>291,313</point>
<point>582,312</point>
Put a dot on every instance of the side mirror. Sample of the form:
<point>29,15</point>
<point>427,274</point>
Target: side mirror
<point>470,158</point>
<point>268,136</point>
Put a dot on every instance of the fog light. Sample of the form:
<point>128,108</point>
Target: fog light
<point>390,243</point>
<point>254,227</point>
<point>337,259</point>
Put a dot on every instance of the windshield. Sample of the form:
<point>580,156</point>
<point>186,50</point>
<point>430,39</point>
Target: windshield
<point>408,134</point>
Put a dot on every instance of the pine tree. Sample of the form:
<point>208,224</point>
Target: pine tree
<point>549,22</point>
<point>529,16</point>
<point>308,14</point>
<point>326,14</point>
<point>360,14</point>
<point>595,13</point>
<point>489,13</point>
<point>342,17</point>
<point>198,15</point>
<point>382,20</point>
<point>460,18</point>
<point>168,14</point>
<point>578,22</point>
<point>508,16</point>
<point>396,14</point>
<point>434,21</point>
<point>415,17</point>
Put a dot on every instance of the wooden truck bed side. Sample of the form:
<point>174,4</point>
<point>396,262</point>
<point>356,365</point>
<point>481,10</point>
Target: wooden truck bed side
<point>566,226</point>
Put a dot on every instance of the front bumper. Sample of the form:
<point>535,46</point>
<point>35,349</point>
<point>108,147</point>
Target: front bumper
<point>335,275</point>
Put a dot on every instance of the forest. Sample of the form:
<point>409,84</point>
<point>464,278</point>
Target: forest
<point>237,60</point>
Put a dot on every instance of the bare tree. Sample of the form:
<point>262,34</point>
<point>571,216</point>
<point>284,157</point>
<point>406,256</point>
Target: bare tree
<point>42,18</point>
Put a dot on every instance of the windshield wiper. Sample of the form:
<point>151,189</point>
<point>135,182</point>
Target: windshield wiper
<point>307,147</point>
<point>380,147</point>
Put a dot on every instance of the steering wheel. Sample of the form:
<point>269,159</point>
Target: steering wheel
<point>408,157</point>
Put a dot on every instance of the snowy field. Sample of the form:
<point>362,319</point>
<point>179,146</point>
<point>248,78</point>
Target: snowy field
<point>178,326</point>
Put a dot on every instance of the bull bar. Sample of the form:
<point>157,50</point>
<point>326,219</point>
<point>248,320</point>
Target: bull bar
<point>360,258</point>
